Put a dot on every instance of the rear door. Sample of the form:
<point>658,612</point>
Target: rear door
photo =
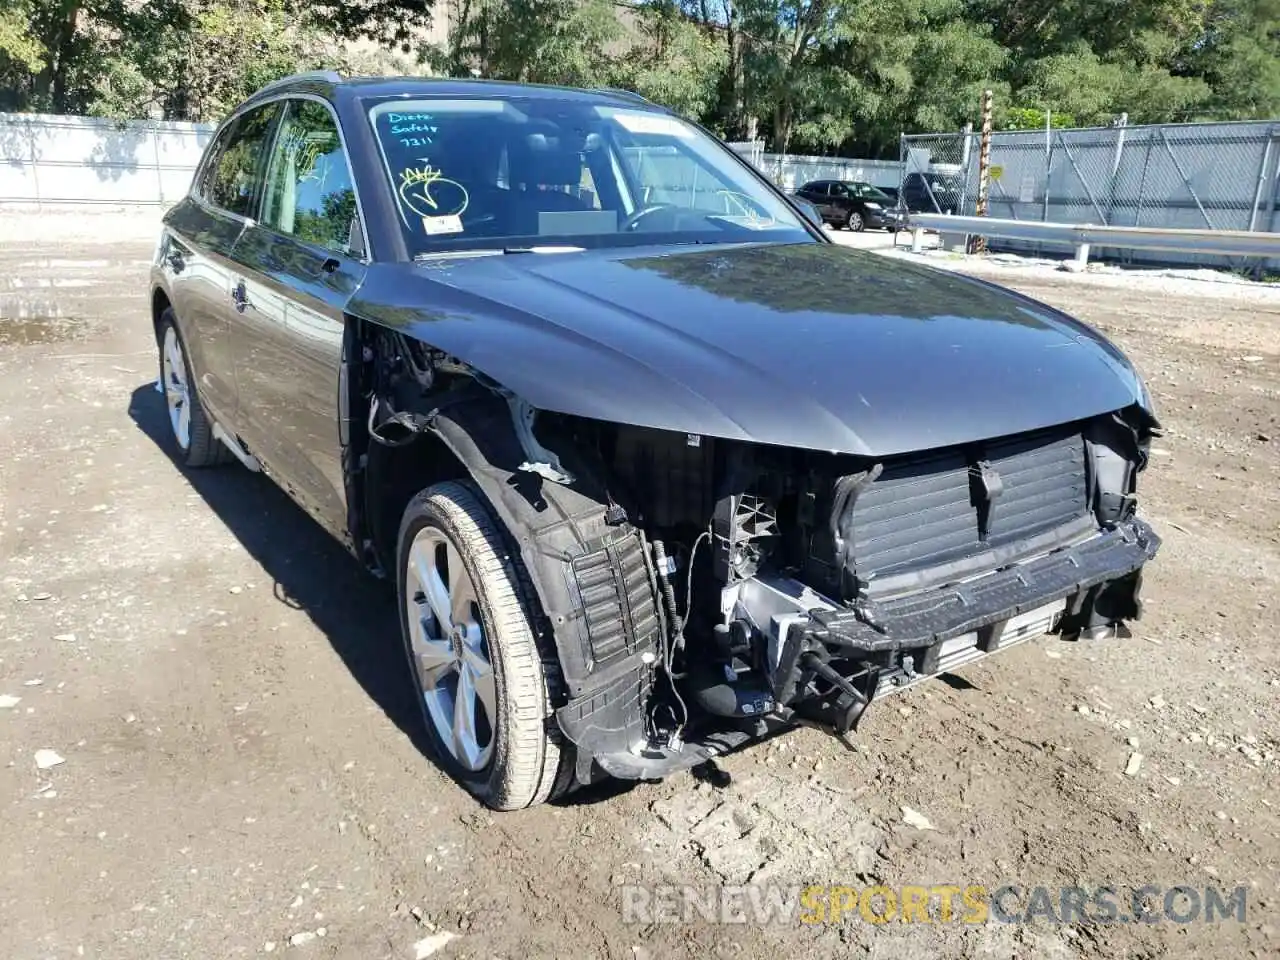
<point>810,192</point>
<point>202,230</point>
<point>825,201</point>
<point>297,267</point>
<point>843,199</point>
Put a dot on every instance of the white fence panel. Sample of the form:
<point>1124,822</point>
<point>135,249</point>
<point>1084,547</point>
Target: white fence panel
<point>54,159</point>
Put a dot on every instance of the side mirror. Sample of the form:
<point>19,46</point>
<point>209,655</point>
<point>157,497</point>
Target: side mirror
<point>809,210</point>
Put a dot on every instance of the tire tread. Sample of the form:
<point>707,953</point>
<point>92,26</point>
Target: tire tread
<point>529,770</point>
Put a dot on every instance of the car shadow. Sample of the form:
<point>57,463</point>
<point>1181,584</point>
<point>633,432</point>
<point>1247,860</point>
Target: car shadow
<point>313,573</point>
<point>310,570</point>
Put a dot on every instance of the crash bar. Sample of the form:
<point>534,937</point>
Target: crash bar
<point>1241,243</point>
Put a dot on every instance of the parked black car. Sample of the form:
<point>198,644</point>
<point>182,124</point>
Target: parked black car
<point>854,205</point>
<point>932,193</point>
<point>654,467</point>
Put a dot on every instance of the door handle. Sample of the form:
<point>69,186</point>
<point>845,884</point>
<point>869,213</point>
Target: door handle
<point>240,297</point>
<point>327,268</point>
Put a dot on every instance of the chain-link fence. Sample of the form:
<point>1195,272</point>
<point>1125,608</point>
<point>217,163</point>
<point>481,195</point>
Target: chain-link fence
<point>1217,176</point>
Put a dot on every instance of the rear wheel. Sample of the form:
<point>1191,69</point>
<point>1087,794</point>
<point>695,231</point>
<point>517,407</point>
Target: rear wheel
<point>469,627</point>
<point>191,428</point>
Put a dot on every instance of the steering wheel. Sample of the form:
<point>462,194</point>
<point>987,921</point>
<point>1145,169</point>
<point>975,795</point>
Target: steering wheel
<point>747,207</point>
<point>632,223</point>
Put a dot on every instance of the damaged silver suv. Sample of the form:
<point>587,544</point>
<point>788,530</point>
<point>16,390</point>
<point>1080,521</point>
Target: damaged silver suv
<point>655,468</point>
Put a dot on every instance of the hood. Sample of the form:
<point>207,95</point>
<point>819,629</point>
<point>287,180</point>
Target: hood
<point>803,345</point>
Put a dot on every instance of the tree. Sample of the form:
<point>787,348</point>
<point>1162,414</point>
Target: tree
<point>917,67</point>
<point>1239,57</point>
<point>1029,118</point>
<point>196,59</point>
<point>808,75</point>
<point>390,22</point>
<point>532,41</point>
<point>1096,60</point>
<point>784,57</point>
<point>674,61</point>
<point>47,54</point>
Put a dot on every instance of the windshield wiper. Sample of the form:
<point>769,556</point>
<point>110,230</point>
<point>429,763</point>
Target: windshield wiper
<point>544,249</point>
<point>454,254</point>
<point>491,252</point>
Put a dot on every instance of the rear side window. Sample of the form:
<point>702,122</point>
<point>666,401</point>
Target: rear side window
<point>233,181</point>
<point>309,194</point>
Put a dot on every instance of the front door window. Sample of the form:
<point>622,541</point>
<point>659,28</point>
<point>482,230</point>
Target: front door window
<point>309,193</point>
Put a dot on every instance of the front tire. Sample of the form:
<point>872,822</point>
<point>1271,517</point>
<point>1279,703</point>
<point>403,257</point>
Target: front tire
<point>190,426</point>
<point>469,624</point>
<point>855,222</point>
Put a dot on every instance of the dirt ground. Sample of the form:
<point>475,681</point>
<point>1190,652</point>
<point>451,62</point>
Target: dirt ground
<point>242,756</point>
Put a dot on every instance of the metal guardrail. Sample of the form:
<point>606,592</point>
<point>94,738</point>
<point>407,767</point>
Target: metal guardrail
<point>1234,243</point>
<point>1199,176</point>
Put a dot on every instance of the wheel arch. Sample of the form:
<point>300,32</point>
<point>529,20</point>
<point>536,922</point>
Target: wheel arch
<point>160,302</point>
<point>588,567</point>
<point>393,476</point>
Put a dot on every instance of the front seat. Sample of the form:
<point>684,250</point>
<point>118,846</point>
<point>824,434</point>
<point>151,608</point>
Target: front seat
<point>542,172</point>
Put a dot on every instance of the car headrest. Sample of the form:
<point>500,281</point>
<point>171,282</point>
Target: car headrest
<point>543,159</point>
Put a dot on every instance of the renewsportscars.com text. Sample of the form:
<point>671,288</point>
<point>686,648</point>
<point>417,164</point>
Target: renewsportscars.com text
<point>939,903</point>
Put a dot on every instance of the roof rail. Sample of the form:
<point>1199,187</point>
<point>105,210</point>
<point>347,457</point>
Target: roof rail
<point>625,94</point>
<point>331,76</point>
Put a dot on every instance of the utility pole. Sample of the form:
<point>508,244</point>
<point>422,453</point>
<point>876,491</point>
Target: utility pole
<point>984,169</point>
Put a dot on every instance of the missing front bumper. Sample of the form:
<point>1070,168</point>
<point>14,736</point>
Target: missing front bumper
<point>830,663</point>
<point>833,664</point>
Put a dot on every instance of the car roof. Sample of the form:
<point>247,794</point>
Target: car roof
<point>330,83</point>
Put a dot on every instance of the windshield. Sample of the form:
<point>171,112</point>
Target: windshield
<point>545,172</point>
<point>867,192</point>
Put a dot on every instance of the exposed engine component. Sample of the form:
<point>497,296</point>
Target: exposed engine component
<point>833,581</point>
<point>770,606</point>
<point>745,526</point>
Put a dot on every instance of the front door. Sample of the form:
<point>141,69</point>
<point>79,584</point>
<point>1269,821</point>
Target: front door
<point>297,268</point>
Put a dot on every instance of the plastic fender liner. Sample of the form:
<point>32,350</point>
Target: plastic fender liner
<point>589,575</point>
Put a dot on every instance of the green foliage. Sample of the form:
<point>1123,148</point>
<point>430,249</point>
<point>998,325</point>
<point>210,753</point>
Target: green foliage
<point>17,44</point>
<point>392,23</point>
<point>1240,60</point>
<point>1031,118</point>
<point>552,41</point>
<point>806,75</point>
<point>672,61</point>
<point>532,41</point>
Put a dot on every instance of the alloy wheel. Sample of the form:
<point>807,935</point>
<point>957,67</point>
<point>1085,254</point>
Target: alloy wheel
<point>177,392</point>
<point>450,650</point>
